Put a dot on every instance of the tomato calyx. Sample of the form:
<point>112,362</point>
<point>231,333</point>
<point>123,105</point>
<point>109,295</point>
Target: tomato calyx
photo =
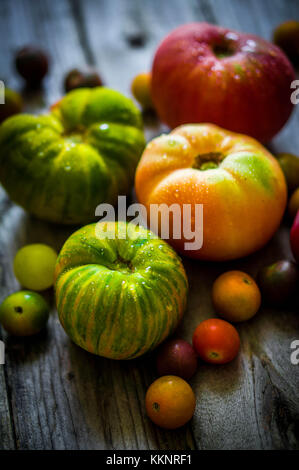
<point>124,265</point>
<point>207,161</point>
<point>75,135</point>
<point>223,50</point>
<point>214,355</point>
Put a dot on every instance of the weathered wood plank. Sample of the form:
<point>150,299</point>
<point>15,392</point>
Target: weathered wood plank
<point>64,398</point>
<point>240,405</point>
<point>7,441</point>
<point>39,404</point>
<point>243,406</point>
<point>50,25</point>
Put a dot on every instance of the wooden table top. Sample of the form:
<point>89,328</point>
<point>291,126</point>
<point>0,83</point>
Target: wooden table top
<point>54,395</point>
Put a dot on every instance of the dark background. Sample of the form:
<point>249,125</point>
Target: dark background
<point>54,395</point>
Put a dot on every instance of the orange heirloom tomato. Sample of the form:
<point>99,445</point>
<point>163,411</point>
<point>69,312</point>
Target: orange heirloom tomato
<point>236,296</point>
<point>216,341</point>
<point>170,402</point>
<point>240,184</point>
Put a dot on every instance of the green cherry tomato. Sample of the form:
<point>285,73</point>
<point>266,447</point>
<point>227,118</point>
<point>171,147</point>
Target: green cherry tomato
<point>34,266</point>
<point>290,166</point>
<point>24,313</point>
<point>279,282</point>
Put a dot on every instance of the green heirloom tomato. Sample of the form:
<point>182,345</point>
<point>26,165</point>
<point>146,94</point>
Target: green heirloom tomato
<point>60,166</point>
<point>120,290</point>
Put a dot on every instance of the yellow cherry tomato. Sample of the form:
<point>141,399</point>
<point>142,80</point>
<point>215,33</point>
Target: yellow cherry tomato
<point>170,402</point>
<point>141,90</point>
<point>34,266</point>
<point>236,296</point>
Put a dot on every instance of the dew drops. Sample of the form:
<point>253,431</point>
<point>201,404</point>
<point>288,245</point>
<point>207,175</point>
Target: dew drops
<point>231,35</point>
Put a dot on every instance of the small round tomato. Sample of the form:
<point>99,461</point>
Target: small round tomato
<point>85,78</point>
<point>141,90</point>
<point>32,63</point>
<point>293,207</point>
<point>236,297</point>
<point>286,36</point>
<point>216,341</point>
<point>34,266</point>
<point>176,357</point>
<point>290,166</point>
<point>279,282</point>
<point>24,313</point>
<point>170,402</point>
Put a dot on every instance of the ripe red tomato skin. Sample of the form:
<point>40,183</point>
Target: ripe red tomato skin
<point>185,81</point>
<point>216,341</point>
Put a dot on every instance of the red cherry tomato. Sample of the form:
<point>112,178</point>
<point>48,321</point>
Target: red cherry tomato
<point>216,341</point>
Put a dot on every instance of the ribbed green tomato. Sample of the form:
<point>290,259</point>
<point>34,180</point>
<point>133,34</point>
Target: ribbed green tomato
<point>120,297</point>
<point>60,166</point>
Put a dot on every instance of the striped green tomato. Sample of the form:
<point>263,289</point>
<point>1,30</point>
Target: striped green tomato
<point>60,166</point>
<point>120,290</point>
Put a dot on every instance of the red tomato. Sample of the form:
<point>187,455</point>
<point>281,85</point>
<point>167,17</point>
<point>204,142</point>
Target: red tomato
<point>216,341</point>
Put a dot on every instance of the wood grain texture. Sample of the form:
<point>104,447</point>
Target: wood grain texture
<point>55,395</point>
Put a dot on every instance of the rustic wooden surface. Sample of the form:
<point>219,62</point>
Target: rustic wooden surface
<point>54,395</point>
